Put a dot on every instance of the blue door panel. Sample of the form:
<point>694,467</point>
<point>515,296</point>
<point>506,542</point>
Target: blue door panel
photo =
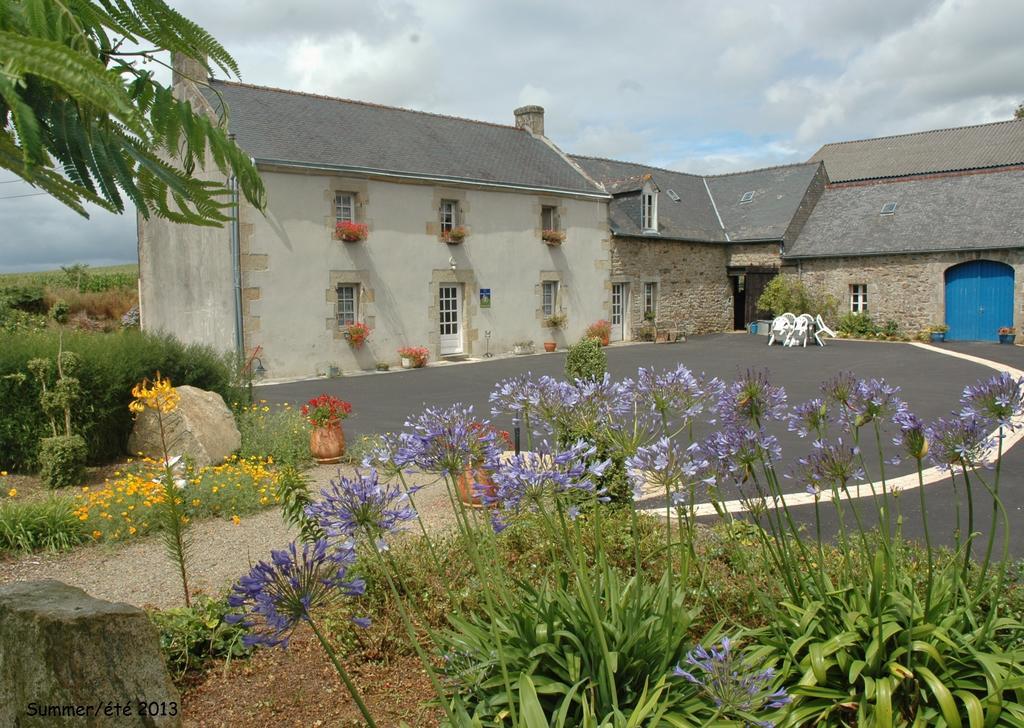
<point>979,300</point>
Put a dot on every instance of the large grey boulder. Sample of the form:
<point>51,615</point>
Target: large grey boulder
<point>69,659</point>
<point>201,427</point>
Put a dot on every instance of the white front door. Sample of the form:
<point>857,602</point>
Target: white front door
<point>450,309</point>
<point>620,311</point>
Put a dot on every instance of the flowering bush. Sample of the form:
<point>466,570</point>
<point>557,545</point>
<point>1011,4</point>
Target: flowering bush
<point>357,334</point>
<point>126,505</point>
<point>323,410</point>
<point>418,354</point>
<point>351,232</point>
<point>279,432</point>
<point>600,330</point>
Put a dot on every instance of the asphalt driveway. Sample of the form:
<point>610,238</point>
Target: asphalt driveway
<point>931,383</point>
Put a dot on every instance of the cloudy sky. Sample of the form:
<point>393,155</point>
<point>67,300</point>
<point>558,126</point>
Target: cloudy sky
<point>691,85</point>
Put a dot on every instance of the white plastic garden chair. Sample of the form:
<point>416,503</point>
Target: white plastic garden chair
<point>820,328</point>
<point>782,329</point>
<point>801,331</point>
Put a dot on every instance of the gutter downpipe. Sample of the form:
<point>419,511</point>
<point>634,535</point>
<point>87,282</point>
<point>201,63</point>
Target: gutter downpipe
<point>236,269</point>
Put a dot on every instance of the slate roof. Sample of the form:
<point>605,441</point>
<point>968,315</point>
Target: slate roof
<point>941,150</point>
<point>279,125</point>
<point>778,192</point>
<point>972,211</point>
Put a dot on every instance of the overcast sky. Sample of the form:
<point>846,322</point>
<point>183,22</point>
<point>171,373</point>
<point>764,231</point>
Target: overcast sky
<point>695,86</point>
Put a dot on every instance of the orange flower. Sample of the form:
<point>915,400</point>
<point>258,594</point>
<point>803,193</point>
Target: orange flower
<point>158,395</point>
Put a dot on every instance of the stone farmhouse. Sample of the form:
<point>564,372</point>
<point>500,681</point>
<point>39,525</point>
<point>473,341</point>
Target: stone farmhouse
<point>469,235</point>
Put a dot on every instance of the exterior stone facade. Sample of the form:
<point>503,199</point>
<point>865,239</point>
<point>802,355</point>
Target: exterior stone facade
<point>753,255</point>
<point>694,291</point>
<point>908,289</point>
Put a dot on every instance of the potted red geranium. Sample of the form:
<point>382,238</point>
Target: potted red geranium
<point>351,232</point>
<point>357,334</point>
<point>600,330</point>
<point>476,480</point>
<point>326,439</point>
<point>413,357</point>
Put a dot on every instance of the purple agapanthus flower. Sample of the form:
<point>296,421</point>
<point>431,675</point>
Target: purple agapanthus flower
<point>998,400</point>
<point>811,417</point>
<point>830,463</point>
<point>735,686</point>
<point>959,441</point>
<point>390,454</point>
<point>445,441</point>
<point>752,400</point>
<point>675,395</point>
<point>353,509</point>
<point>874,400</point>
<point>840,388</point>
<point>734,451</point>
<point>527,480</point>
<point>273,598</point>
<point>665,463</point>
<point>913,439</point>
<point>515,396</point>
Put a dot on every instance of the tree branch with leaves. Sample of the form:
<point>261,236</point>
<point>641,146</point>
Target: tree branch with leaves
<point>83,119</point>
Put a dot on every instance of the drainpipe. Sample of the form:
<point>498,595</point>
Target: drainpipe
<point>236,269</point>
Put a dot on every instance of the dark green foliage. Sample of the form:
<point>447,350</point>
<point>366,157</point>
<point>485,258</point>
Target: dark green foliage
<point>615,480</point>
<point>586,360</point>
<point>858,325</point>
<point>27,298</point>
<point>62,460</point>
<point>293,490</point>
<point>192,636</point>
<point>891,328</point>
<point>85,120</point>
<point>59,312</point>
<point>49,524</point>
<point>787,293</point>
<point>111,365</point>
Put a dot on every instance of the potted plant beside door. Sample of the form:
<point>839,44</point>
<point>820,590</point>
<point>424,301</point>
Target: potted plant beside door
<point>937,333</point>
<point>554,322</point>
<point>1007,334</point>
<point>326,439</point>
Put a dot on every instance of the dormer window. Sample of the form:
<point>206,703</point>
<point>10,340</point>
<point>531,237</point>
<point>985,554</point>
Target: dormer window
<point>649,209</point>
<point>747,197</point>
<point>889,208</point>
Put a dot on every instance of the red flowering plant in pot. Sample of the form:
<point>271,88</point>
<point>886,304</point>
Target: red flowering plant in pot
<point>351,232</point>
<point>414,357</point>
<point>476,481</point>
<point>326,439</point>
<point>600,330</point>
<point>357,334</point>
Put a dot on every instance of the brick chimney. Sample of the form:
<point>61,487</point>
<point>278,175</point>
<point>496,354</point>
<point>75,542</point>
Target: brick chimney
<point>187,69</point>
<point>530,118</point>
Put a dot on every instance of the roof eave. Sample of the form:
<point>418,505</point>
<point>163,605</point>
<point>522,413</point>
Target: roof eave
<point>396,174</point>
<point>921,251</point>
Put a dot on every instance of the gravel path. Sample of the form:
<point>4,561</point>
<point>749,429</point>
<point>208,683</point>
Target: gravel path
<point>139,572</point>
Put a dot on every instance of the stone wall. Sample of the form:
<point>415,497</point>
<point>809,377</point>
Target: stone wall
<point>753,255</point>
<point>909,289</point>
<point>694,291</point>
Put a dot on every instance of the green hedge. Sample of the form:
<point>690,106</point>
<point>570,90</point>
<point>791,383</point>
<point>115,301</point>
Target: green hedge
<point>111,365</point>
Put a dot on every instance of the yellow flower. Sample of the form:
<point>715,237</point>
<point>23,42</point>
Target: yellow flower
<point>3,473</point>
<point>158,395</point>
<point>12,493</point>
<point>236,520</point>
<point>97,534</point>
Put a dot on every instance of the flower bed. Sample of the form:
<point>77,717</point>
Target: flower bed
<point>125,506</point>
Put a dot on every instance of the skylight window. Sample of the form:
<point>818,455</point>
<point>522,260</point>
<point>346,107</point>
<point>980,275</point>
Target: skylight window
<point>747,197</point>
<point>672,195</point>
<point>889,208</point>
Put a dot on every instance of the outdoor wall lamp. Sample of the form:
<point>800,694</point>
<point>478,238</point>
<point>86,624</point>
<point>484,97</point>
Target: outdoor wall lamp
<point>451,263</point>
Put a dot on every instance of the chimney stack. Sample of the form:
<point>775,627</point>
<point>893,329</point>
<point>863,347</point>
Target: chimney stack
<point>187,69</point>
<point>530,118</point>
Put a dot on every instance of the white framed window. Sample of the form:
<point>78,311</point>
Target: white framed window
<point>549,297</point>
<point>449,215</point>
<point>859,297</point>
<point>650,298</point>
<point>345,207</point>
<point>348,304</point>
<point>549,218</point>
<point>649,209</point>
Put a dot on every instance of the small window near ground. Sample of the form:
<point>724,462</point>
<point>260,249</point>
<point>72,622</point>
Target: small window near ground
<point>348,304</point>
<point>549,219</point>
<point>345,207</point>
<point>449,215</point>
<point>650,299</point>
<point>859,298</point>
<point>549,297</point>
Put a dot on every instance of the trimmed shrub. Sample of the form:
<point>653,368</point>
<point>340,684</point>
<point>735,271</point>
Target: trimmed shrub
<point>49,524</point>
<point>62,460</point>
<point>586,360</point>
<point>111,365</point>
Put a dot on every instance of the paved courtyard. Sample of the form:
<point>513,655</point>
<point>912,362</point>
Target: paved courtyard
<point>930,382</point>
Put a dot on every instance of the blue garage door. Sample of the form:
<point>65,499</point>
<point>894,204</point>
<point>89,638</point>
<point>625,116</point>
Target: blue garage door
<point>979,300</point>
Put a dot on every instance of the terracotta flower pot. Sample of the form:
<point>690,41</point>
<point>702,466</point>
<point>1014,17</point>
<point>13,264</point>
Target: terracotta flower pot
<point>327,444</point>
<point>467,482</point>
<point>549,346</point>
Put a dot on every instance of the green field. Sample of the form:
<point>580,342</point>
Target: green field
<point>104,277</point>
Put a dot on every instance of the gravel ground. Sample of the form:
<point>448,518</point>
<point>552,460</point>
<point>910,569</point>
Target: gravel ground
<point>139,572</point>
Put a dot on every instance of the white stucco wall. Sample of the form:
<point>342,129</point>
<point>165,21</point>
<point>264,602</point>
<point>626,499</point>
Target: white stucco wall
<point>399,267</point>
